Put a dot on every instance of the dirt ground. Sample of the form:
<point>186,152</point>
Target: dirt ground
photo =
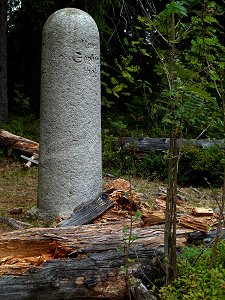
<point>18,192</point>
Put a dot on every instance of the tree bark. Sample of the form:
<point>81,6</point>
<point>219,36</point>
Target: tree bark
<point>85,213</point>
<point>81,262</point>
<point>3,62</point>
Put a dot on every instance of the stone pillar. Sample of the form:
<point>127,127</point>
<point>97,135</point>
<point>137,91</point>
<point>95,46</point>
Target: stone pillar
<point>70,163</point>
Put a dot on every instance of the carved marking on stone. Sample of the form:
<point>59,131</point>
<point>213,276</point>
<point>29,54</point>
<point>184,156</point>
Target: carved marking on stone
<point>91,57</point>
<point>77,57</point>
<point>88,42</point>
<point>90,70</point>
<point>91,61</point>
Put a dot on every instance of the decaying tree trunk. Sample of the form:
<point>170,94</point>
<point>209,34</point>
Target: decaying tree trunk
<point>9,140</point>
<point>146,144</point>
<point>81,262</point>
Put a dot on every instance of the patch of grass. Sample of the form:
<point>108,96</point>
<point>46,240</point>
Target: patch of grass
<point>206,197</point>
<point>18,189</point>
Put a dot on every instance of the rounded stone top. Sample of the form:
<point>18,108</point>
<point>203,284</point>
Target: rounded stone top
<point>71,17</point>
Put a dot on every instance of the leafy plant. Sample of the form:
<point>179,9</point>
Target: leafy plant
<point>199,166</point>
<point>195,279</point>
<point>126,248</point>
<point>125,90</point>
<point>110,157</point>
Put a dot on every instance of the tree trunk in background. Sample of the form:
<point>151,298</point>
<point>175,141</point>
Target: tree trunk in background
<point>3,62</point>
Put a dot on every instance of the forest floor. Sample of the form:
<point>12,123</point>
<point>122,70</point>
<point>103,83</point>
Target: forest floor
<point>18,192</point>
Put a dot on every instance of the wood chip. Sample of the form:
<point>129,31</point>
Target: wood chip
<point>161,204</point>
<point>201,211</point>
<point>152,217</point>
<point>15,211</point>
<point>119,185</point>
<point>198,223</point>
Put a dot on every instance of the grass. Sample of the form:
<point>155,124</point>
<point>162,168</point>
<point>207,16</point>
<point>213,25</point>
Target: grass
<point>206,197</point>
<point>18,189</point>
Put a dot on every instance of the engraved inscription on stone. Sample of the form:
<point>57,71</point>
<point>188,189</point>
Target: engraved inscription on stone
<point>91,57</point>
<point>88,42</point>
<point>77,57</point>
<point>89,60</point>
<point>90,70</point>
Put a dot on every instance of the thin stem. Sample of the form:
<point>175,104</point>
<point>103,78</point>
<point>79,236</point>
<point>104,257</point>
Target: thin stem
<point>170,219</point>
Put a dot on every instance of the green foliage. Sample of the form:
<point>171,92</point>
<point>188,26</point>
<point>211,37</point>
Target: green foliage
<point>188,89</point>
<point>152,166</point>
<point>109,154</point>
<point>121,84</point>
<point>195,279</point>
<point>210,163</point>
<point>27,126</point>
<point>175,7</point>
<point>191,103</point>
<point>22,103</point>
<point>124,88</point>
<point>201,166</point>
<point>207,49</point>
<point>122,160</point>
<point>197,166</point>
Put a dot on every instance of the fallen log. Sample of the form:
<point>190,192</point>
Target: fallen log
<point>142,144</point>
<point>146,144</point>
<point>82,262</point>
<point>9,140</point>
<point>200,237</point>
